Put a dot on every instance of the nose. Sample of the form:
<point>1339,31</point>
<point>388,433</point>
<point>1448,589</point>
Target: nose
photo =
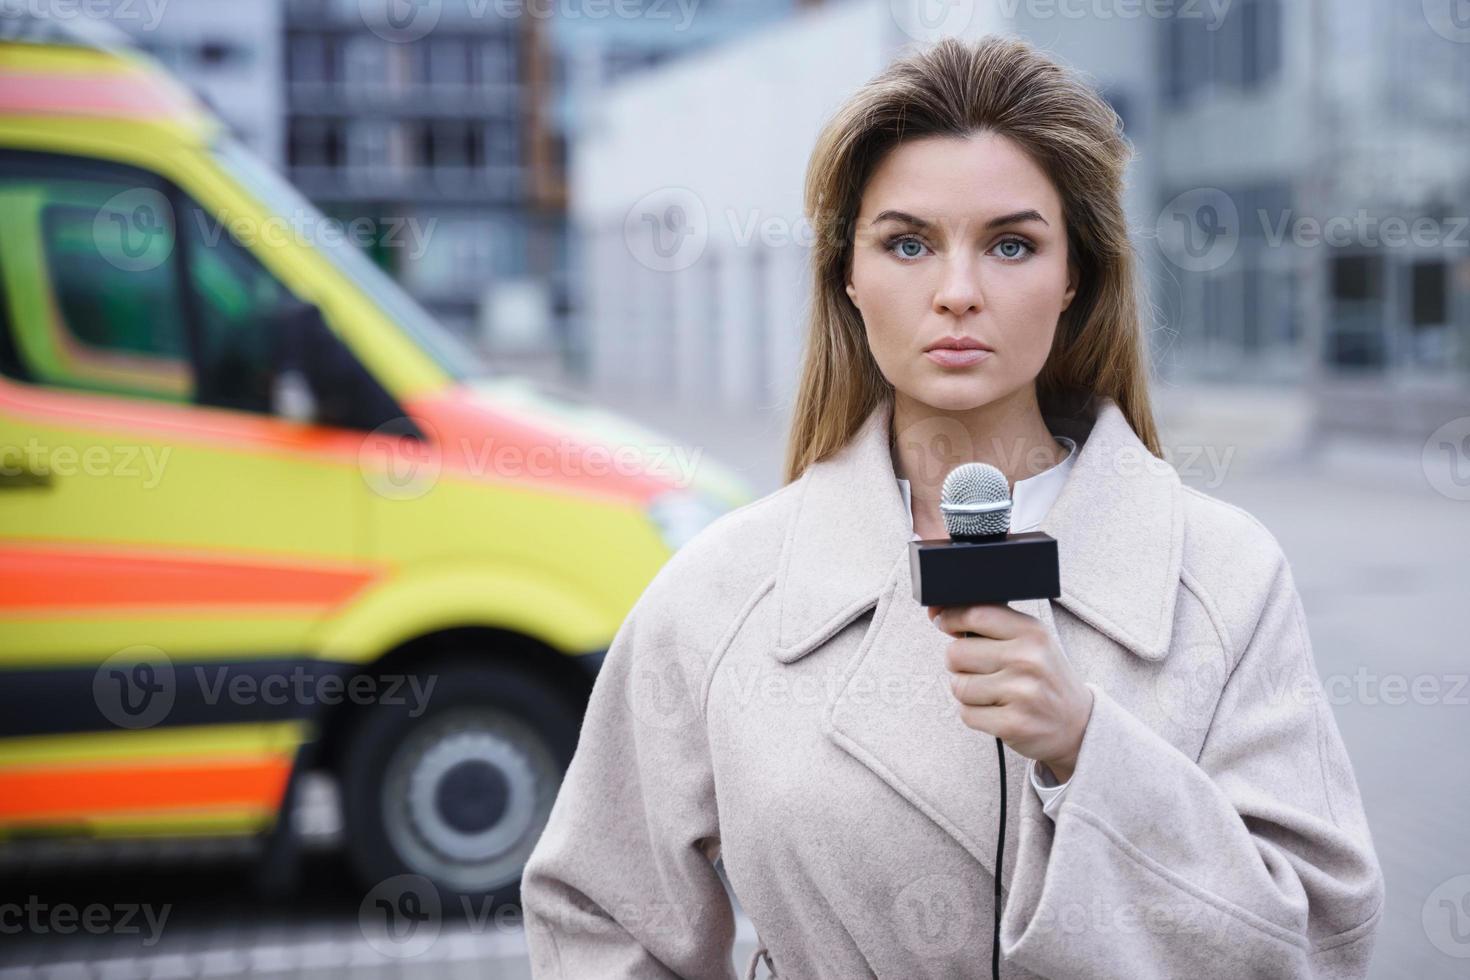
<point>959,292</point>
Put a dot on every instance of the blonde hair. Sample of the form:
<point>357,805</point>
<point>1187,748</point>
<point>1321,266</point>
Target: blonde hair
<point>1005,86</point>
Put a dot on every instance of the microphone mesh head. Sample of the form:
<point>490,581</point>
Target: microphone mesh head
<point>975,501</point>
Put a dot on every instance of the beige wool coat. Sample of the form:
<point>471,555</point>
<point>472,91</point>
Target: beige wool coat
<point>778,700</point>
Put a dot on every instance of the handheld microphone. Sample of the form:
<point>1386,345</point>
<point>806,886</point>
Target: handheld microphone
<point>983,562</point>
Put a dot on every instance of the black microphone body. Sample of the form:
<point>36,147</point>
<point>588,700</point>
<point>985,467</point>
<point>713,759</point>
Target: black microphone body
<point>991,568</point>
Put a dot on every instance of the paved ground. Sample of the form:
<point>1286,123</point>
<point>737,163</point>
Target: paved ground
<point>1383,562</point>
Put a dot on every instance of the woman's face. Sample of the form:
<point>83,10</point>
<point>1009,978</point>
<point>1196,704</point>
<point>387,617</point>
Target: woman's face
<point>960,238</point>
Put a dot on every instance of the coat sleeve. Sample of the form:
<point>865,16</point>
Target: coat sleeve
<point>621,883</point>
<point>1253,861</point>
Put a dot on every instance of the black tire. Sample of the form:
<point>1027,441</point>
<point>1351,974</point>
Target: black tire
<point>460,793</point>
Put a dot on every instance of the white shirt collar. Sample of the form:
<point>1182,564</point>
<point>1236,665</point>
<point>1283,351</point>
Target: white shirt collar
<point>1031,498</point>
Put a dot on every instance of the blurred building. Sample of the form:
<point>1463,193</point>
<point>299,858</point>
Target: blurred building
<point>686,201</point>
<point>1331,138</point>
<point>592,53</point>
<point>423,124</point>
<point>228,53</point>
<point>1252,130</point>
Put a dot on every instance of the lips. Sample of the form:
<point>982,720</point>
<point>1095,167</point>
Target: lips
<point>958,343</point>
<point>951,357</point>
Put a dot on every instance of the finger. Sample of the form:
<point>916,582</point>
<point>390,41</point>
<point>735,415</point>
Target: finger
<point>997,720</point>
<point>975,689</point>
<point>980,655</point>
<point>992,619</point>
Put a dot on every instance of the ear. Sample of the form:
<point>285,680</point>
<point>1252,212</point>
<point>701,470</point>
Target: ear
<point>1072,281</point>
<point>851,293</point>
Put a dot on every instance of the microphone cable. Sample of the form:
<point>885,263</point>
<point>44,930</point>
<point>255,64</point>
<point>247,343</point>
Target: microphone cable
<point>1000,850</point>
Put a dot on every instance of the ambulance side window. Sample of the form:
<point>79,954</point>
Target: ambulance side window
<point>91,280</point>
<point>114,282</point>
<point>234,299</point>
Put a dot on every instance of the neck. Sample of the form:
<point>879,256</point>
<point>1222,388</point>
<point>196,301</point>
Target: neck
<point>1009,434</point>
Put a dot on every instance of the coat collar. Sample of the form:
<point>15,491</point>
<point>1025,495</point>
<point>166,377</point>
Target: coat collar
<point>1118,521</point>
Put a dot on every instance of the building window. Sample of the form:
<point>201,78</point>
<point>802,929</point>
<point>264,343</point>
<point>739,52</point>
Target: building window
<point>449,62</point>
<point>1240,51</point>
<point>1357,278</point>
<point>365,62</point>
<point>1261,37</point>
<point>494,62</point>
<point>310,58</point>
<point>315,142</point>
<point>1429,293</point>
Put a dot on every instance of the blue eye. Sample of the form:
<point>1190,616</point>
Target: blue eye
<point>1015,241</point>
<point>896,245</point>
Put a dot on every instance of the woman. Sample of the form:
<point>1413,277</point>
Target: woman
<point>778,700</point>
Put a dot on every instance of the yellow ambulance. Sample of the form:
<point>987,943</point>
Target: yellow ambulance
<point>260,516</point>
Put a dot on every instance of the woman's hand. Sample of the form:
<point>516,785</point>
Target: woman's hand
<point>1013,682</point>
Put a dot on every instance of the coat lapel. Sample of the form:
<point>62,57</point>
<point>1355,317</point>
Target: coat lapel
<point>1119,528</point>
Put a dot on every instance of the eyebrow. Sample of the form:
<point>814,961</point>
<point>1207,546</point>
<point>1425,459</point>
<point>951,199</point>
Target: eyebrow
<point>1015,217</point>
